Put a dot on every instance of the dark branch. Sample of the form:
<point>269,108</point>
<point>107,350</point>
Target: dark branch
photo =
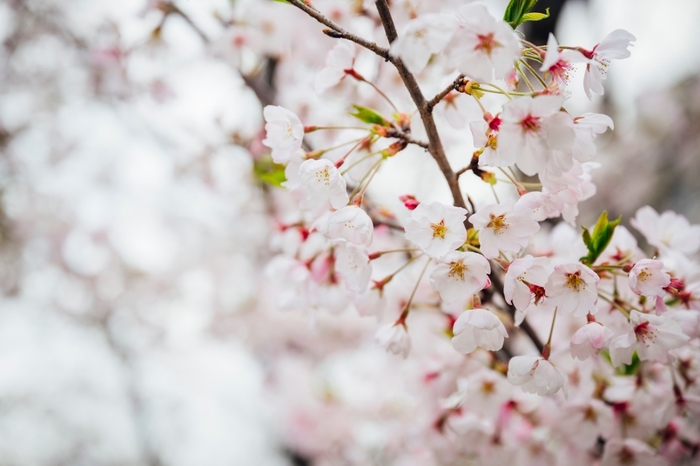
<point>453,86</point>
<point>338,32</point>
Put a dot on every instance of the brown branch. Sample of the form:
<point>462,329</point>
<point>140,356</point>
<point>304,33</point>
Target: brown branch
<point>452,87</point>
<point>434,143</point>
<point>338,32</point>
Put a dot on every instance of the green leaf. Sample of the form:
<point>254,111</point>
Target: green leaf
<point>370,116</point>
<point>515,11</point>
<point>269,172</point>
<point>626,369</point>
<point>535,16</point>
<point>598,240</point>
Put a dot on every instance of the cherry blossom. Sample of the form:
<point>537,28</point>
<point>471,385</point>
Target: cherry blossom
<point>589,340</point>
<point>503,227</point>
<point>533,129</point>
<point>423,36</point>
<point>478,328</point>
<point>648,277</point>
<point>284,133</point>
<point>460,274</point>
<point>350,223</point>
<point>436,228</point>
<point>668,231</point>
<point>524,284</point>
<point>352,263</point>
<point>573,288</point>
<point>394,338</point>
<point>651,336</point>
<point>629,451</point>
<point>483,48</point>
<point>614,46</point>
<point>339,61</point>
<point>535,374</point>
<point>559,63</point>
<point>320,183</point>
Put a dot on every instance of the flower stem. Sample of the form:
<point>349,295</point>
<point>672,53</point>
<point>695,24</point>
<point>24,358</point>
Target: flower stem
<point>402,318</point>
<point>548,346</point>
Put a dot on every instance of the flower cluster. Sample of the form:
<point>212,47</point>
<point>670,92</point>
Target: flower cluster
<point>535,317</point>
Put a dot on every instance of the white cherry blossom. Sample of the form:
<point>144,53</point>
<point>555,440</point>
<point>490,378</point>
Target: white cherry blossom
<point>505,227</point>
<point>436,228</point>
<point>668,230</point>
<point>352,263</point>
<point>559,63</point>
<point>648,277</point>
<point>284,132</point>
<point>338,61</point>
<point>320,182</point>
<point>534,374</point>
<point>483,48</point>
<point>394,338</point>
<point>533,129</point>
<point>523,285</point>
<point>614,46</point>
<point>460,274</point>
<point>574,289</point>
<point>651,336</point>
<point>589,340</point>
<point>584,421</point>
<point>478,328</point>
<point>422,37</point>
<point>349,223</point>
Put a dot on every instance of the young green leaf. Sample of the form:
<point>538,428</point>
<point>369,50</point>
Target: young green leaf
<point>367,115</point>
<point>268,172</point>
<point>535,16</point>
<point>598,240</point>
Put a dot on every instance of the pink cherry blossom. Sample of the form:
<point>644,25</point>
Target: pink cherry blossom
<point>589,340</point>
<point>460,274</point>
<point>648,277</point>
<point>422,37</point>
<point>524,284</point>
<point>573,288</point>
<point>535,374</point>
<point>478,328</point>
<point>436,228</point>
<point>559,63</point>
<point>503,227</point>
<point>533,129</point>
<point>651,336</point>
<point>614,46</point>
<point>668,230</point>
<point>629,451</point>
<point>483,48</point>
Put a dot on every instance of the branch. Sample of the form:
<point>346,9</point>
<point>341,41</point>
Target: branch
<point>452,87</point>
<point>338,32</point>
<point>434,142</point>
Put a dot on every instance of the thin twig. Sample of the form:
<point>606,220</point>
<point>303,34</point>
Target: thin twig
<point>442,94</point>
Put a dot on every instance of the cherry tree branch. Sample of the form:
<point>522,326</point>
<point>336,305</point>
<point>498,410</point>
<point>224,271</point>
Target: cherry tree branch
<point>434,143</point>
<point>338,32</point>
<point>452,87</point>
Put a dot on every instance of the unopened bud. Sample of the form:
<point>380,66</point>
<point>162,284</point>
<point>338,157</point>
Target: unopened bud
<point>409,201</point>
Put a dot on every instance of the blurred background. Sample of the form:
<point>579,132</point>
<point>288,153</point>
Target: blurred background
<point>135,327</point>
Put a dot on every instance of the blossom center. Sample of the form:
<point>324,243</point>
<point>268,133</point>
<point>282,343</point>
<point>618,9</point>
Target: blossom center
<point>486,43</point>
<point>439,229</point>
<point>645,332</point>
<point>530,123</point>
<point>457,269</point>
<point>287,132</point>
<point>323,176</point>
<point>575,282</point>
<point>643,275</point>
<point>560,71</point>
<point>498,223</point>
